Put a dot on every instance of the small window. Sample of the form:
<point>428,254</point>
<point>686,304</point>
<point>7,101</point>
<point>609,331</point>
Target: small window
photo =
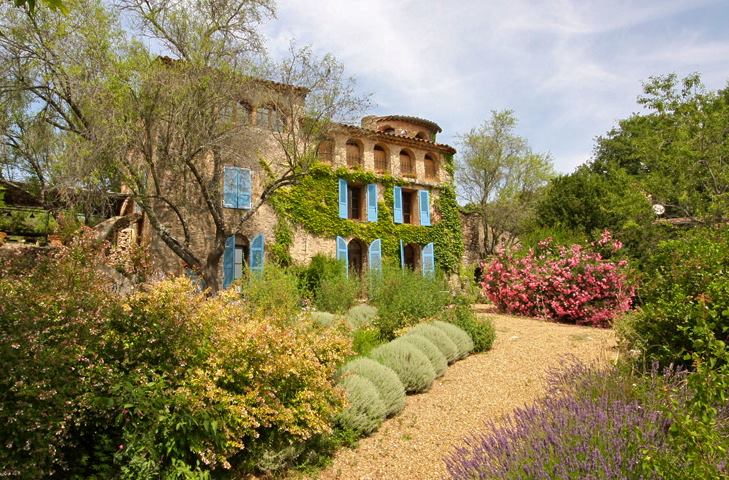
<point>354,198</point>
<point>407,166</point>
<point>422,136</point>
<point>407,206</point>
<point>411,254</point>
<point>241,254</point>
<point>380,159</point>
<point>244,113</point>
<point>354,154</point>
<point>429,164</point>
<point>263,117</point>
<point>387,130</point>
<point>324,151</point>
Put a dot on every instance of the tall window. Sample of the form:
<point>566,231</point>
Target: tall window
<point>354,154</point>
<point>380,159</point>
<point>354,197</point>
<point>407,206</point>
<point>325,151</point>
<point>263,117</point>
<point>244,113</point>
<point>407,166</point>
<point>241,255</point>
<point>429,164</point>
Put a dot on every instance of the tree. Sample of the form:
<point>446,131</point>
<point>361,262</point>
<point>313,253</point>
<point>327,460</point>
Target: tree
<point>165,127</point>
<point>677,151</point>
<point>500,176</point>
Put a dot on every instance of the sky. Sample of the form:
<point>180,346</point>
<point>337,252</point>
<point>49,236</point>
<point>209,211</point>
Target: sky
<point>569,69</point>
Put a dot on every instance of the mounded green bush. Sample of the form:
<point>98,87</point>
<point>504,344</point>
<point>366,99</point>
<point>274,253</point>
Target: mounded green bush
<point>437,359</point>
<point>480,329</point>
<point>389,386</point>
<point>324,319</point>
<point>462,340</point>
<point>439,338</point>
<point>366,410</point>
<point>365,339</point>
<point>361,316</point>
<point>410,364</point>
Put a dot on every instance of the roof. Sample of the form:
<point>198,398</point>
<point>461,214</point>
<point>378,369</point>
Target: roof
<point>403,138</point>
<point>416,120</point>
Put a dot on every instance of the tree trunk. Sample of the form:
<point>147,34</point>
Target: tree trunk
<point>212,265</point>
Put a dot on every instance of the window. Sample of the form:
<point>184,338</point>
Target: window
<point>263,117</point>
<point>407,207</point>
<point>354,154</point>
<point>354,199</point>
<point>422,136</point>
<point>387,130</point>
<point>240,256</point>
<point>324,151</point>
<point>245,112</point>
<point>380,159</point>
<point>237,187</point>
<point>407,166</point>
<point>355,256</point>
<point>429,164</point>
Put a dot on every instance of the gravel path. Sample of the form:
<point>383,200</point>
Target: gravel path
<point>488,385</point>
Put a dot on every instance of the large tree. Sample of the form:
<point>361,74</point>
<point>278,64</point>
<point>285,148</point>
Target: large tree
<point>165,127</point>
<point>500,177</point>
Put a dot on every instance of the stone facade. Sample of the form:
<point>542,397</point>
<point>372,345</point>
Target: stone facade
<point>473,237</point>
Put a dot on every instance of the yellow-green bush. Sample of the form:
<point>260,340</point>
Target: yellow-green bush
<point>439,338</point>
<point>361,316</point>
<point>366,410</point>
<point>410,364</point>
<point>389,386</point>
<point>463,341</point>
<point>437,359</point>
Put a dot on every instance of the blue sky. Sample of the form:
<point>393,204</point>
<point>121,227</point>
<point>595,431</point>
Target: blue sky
<point>570,69</point>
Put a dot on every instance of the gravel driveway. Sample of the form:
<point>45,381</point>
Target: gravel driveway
<point>487,385</point>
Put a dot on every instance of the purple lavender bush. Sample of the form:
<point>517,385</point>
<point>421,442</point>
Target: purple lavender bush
<point>589,426</point>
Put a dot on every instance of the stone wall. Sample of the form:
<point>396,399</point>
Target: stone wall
<point>473,236</point>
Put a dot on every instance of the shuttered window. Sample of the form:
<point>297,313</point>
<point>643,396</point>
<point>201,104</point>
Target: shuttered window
<point>237,186</point>
<point>429,164</point>
<point>424,207</point>
<point>380,159</point>
<point>354,154</point>
<point>407,166</point>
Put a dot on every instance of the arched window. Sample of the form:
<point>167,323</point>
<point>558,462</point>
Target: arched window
<point>268,117</point>
<point>244,113</point>
<point>407,165</point>
<point>422,136</point>
<point>429,164</point>
<point>380,159</point>
<point>388,130</point>
<point>325,151</point>
<point>355,255</point>
<point>354,154</point>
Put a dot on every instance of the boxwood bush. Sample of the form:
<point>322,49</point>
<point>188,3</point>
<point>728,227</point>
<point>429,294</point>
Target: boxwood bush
<point>439,338</point>
<point>463,341</point>
<point>366,410</point>
<point>389,386</point>
<point>410,364</point>
<point>437,359</point>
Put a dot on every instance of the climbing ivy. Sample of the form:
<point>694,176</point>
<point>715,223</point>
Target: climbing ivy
<point>314,204</point>
<point>283,239</point>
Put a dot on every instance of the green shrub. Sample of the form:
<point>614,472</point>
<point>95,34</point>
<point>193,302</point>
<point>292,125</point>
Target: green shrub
<point>686,299</point>
<point>366,410</point>
<point>463,341</point>
<point>325,319</point>
<point>274,293</point>
<point>411,365</point>
<point>365,339</point>
<point>480,329</point>
<point>337,294</point>
<point>361,316</point>
<point>403,297</point>
<point>389,386</point>
<point>436,358</point>
<point>439,338</point>
<point>319,267</point>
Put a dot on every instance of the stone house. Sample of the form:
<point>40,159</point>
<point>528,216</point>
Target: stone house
<point>390,170</point>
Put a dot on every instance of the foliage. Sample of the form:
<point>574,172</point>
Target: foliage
<point>574,285</point>
<point>403,297</point>
<point>365,339</point>
<point>685,299</point>
<point>337,293</point>
<point>361,316</point>
<point>278,252</point>
<point>411,365</point>
<point>501,178</point>
<point>314,205</point>
<point>164,381</point>
<point>274,292</point>
<point>460,338</point>
<point>389,386</point>
<point>366,410</point>
<point>439,338</point>
<point>436,358</point>
<point>480,329</point>
<point>597,423</point>
<point>324,319</point>
<point>311,276</point>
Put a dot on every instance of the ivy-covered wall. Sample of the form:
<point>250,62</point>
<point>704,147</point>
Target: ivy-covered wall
<point>313,204</point>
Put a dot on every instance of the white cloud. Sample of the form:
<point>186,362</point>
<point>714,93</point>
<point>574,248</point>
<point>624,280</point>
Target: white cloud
<point>570,69</point>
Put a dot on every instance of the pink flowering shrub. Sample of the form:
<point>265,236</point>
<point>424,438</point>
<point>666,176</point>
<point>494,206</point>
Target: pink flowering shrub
<point>570,285</point>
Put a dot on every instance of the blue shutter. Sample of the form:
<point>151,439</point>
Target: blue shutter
<point>244,188</point>
<point>402,255</point>
<point>428,260</point>
<point>343,254</point>
<point>256,255</point>
<point>343,199</point>
<point>372,202</point>
<point>230,187</point>
<point>228,261</point>
<point>424,198</point>
<point>397,207</point>
<point>375,256</point>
